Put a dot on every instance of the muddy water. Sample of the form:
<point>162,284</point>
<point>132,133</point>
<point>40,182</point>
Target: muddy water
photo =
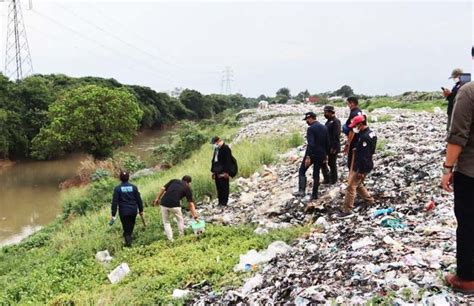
<point>29,196</point>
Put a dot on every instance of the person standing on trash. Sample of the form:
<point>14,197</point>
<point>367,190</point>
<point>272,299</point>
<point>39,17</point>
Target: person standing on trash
<point>128,200</point>
<point>169,197</point>
<point>316,153</point>
<point>353,104</point>
<point>220,167</point>
<point>334,130</point>
<point>458,172</point>
<point>361,165</point>
<point>450,95</point>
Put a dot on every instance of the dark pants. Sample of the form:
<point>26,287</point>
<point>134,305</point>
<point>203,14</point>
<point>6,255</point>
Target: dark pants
<point>464,211</point>
<point>330,174</point>
<point>222,185</point>
<point>317,163</point>
<point>128,223</point>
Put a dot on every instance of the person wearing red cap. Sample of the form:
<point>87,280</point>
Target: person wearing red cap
<point>361,165</point>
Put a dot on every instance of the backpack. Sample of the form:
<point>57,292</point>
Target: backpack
<point>234,168</point>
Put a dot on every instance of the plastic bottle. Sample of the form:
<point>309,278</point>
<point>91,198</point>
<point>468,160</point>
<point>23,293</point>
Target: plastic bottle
<point>383,211</point>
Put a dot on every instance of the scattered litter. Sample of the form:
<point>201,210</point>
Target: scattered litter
<point>119,273</point>
<point>103,257</point>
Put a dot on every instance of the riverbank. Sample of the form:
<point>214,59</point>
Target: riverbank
<point>60,259</point>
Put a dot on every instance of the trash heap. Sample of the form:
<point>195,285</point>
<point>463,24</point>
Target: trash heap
<point>395,251</point>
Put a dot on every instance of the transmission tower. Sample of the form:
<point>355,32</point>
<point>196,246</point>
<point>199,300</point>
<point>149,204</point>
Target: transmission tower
<point>18,62</point>
<point>227,75</point>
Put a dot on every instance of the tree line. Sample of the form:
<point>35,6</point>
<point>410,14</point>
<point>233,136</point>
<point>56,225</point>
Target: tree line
<point>45,116</point>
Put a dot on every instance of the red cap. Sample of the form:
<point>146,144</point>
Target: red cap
<point>356,120</point>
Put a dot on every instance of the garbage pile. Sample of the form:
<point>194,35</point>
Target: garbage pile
<point>395,251</point>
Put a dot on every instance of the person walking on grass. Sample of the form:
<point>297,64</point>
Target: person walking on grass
<point>361,165</point>
<point>316,153</point>
<point>128,200</point>
<point>221,165</point>
<point>169,197</point>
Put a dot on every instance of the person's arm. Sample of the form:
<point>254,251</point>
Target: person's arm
<point>139,201</point>
<point>114,203</point>
<point>459,132</point>
<point>337,136</point>
<point>159,195</point>
<point>192,208</point>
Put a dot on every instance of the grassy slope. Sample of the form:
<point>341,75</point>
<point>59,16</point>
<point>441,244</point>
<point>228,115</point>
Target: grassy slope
<point>57,264</point>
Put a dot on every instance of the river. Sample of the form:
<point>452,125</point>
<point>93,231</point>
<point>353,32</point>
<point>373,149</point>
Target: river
<point>30,195</point>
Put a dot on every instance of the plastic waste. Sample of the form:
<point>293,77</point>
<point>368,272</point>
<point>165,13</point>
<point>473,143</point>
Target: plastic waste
<point>103,256</point>
<point>180,294</point>
<point>362,243</point>
<point>198,227</point>
<point>119,273</point>
<point>252,283</point>
<point>392,223</point>
<point>253,257</point>
<point>430,205</point>
<point>383,211</point>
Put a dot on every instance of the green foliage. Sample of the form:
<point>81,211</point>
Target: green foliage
<point>99,174</point>
<point>89,118</point>
<point>419,105</point>
<point>295,140</point>
<point>381,144</point>
<point>344,91</point>
<point>189,139</point>
<point>128,162</point>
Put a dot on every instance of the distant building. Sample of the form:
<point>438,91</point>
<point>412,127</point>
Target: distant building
<point>335,98</point>
<point>312,99</point>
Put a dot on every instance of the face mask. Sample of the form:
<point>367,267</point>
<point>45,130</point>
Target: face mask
<point>456,80</point>
<point>356,129</point>
<point>216,146</point>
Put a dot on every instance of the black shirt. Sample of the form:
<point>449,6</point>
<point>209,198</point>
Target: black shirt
<point>128,200</point>
<point>334,131</point>
<point>175,191</point>
<point>452,98</point>
<point>365,148</point>
<point>223,163</point>
<point>354,112</point>
<point>318,140</point>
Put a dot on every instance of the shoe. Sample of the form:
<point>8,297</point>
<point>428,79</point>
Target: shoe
<point>466,287</point>
<point>344,215</point>
<point>128,241</point>
<point>299,194</point>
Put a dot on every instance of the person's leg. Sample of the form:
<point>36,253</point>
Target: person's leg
<point>302,179</point>
<point>317,164</point>
<point>464,211</point>
<point>222,186</point>
<point>166,222</point>
<point>326,173</point>
<point>178,214</point>
<point>363,193</point>
<point>350,192</point>
<point>128,223</point>
<point>332,162</point>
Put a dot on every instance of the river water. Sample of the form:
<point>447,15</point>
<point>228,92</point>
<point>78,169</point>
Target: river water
<point>30,196</point>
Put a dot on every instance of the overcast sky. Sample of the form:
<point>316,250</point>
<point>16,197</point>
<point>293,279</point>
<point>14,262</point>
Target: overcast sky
<point>375,47</point>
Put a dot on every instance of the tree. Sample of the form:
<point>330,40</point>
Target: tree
<point>262,97</point>
<point>194,101</point>
<point>90,119</point>
<point>345,91</point>
<point>282,95</point>
<point>303,95</point>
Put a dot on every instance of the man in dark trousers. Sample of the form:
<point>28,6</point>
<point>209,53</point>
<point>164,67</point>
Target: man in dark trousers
<point>316,152</point>
<point>220,168</point>
<point>129,202</point>
<point>361,165</point>
<point>458,174</point>
<point>450,95</point>
<point>334,130</point>
<point>353,104</point>
<point>169,197</point>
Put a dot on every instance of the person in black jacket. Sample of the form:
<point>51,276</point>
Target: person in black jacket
<point>450,95</point>
<point>361,165</point>
<point>220,168</point>
<point>316,152</point>
<point>353,104</point>
<point>334,130</point>
<point>128,200</point>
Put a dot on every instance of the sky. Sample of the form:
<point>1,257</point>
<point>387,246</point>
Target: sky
<point>375,47</point>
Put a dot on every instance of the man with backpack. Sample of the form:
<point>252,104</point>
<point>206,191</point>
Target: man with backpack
<point>223,166</point>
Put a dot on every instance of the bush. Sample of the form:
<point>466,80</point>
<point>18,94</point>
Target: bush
<point>99,174</point>
<point>128,162</point>
<point>295,140</point>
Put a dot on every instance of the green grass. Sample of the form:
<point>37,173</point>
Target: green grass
<point>390,102</point>
<point>381,144</point>
<point>56,265</point>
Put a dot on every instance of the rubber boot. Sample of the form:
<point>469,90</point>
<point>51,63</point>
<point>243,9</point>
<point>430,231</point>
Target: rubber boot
<point>314,193</point>
<point>301,187</point>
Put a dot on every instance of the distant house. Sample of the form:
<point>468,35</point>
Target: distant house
<point>312,99</point>
<point>335,98</point>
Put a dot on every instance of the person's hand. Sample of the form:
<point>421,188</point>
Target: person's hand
<point>141,213</point>
<point>213,176</point>
<point>360,176</point>
<point>225,175</point>
<point>447,181</point>
<point>195,216</point>
<point>307,162</point>
<point>446,92</point>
